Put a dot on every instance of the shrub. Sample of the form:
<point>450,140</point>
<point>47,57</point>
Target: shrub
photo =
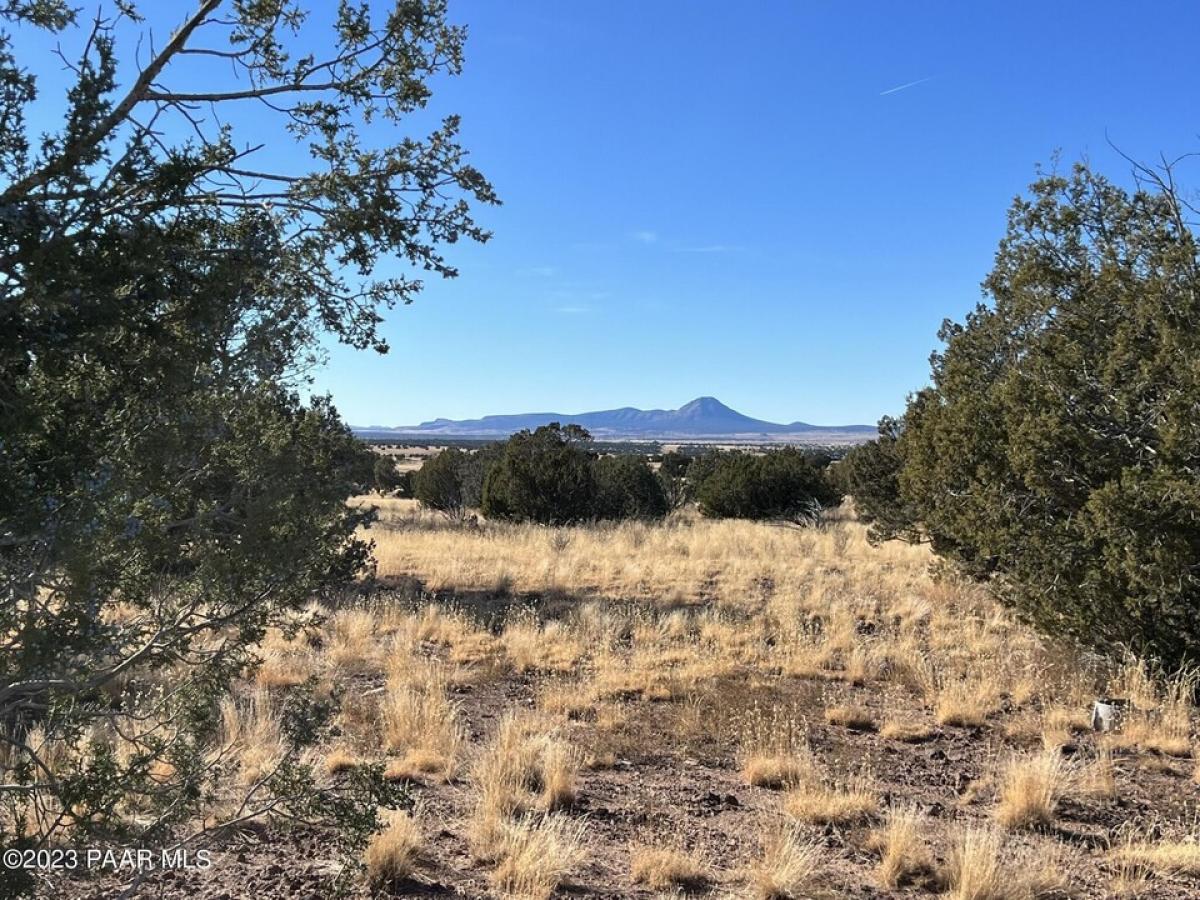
<point>388,479</point>
<point>785,483</point>
<point>627,488</point>
<point>169,491</point>
<point>672,473</point>
<point>870,473</point>
<point>542,476</point>
<point>1058,444</point>
<point>438,484</point>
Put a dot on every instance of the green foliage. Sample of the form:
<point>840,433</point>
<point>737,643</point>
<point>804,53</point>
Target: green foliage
<point>438,483</point>
<point>779,484</point>
<point>542,476</point>
<point>388,479</point>
<point>673,475</point>
<point>473,469</point>
<point>1058,448</point>
<point>701,468</point>
<point>627,488</point>
<point>675,464</point>
<point>452,481</point>
<point>165,493</point>
<point>870,473</point>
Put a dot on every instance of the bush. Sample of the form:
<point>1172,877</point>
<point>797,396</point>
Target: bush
<point>627,488</point>
<point>784,483</point>
<point>542,476</point>
<point>1057,449</point>
<point>870,473</point>
<point>673,475</point>
<point>438,484</point>
<point>387,478</point>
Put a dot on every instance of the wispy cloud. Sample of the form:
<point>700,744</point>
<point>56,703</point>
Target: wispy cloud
<point>539,271</point>
<point>710,248</point>
<point>573,310</point>
<point>646,237</point>
<point>904,87</point>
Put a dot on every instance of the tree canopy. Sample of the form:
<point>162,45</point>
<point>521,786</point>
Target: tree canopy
<point>784,483</point>
<point>166,494</point>
<point>545,476</point>
<point>1057,450</point>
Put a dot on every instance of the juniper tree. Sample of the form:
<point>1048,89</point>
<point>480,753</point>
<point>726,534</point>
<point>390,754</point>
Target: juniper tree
<point>172,251</point>
<point>1057,451</point>
<point>545,475</point>
<point>627,488</point>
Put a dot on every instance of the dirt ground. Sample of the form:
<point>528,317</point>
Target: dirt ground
<point>667,769</point>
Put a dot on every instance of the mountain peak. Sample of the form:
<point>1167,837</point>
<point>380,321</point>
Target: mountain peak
<point>704,406</point>
<point>704,417</point>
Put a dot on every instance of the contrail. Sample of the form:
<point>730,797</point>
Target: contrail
<point>903,87</point>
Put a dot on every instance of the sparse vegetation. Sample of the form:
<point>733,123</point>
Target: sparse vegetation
<point>663,868</point>
<point>1030,789</point>
<point>535,855</point>
<point>788,866</point>
<point>904,854</point>
<point>394,852</point>
<point>517,711</point>
<point>549,665</point>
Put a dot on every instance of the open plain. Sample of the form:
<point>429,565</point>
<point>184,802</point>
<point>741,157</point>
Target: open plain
<point>726,708</point>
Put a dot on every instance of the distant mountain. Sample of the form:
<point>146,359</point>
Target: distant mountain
<point>704,418</point>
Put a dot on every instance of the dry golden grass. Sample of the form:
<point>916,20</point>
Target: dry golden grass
<point>421,724</point>
<point>1179,855</point>
<point>663,868</point>
<point>678,645</point>
<point>965,702</point>
<point>350,641</point>
<point>787,868</point>
<point>907,731</point>
<point>1160,714</point>
<point>777,770</point>
<point>904,854</point>
<point>675,560</point>
<point>1098,778</point>
<point>251,732</point>
<point>572,699</point>
<point>531,646</point>
<point>559,765</point>
<point>982,866</point>
<point>852,716</point>
<point>393,853</point>
<point>974,870</point>
<point>828,801</point>
<point>522,768</point>
<point>661,651</point>
<point>1030,789</point>
<point>536,855</point>
<point>774,750</point>
<point>340,759</point>
<point>284,663</point>
<point>1062,724</point>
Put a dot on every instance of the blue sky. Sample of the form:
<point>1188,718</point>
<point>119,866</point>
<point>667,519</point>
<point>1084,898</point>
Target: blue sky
<point>725,198</point>
<point>738,199</point>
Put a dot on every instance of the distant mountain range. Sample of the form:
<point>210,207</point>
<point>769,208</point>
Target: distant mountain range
<point>705,418</point>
